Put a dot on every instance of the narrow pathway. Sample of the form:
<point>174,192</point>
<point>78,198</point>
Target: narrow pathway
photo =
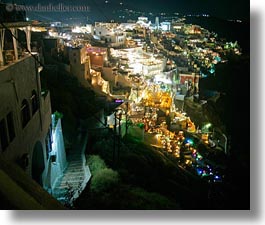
<point>77,174</point>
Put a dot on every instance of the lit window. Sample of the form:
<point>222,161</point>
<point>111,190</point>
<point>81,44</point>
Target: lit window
<point>25,113</point>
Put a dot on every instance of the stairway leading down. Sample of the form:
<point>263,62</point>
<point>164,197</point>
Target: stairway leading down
<point>76,176</point>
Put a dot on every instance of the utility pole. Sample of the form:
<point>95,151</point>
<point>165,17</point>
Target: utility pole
<point>114,138</point>
<point>119,137</point>
<point>126,119</point>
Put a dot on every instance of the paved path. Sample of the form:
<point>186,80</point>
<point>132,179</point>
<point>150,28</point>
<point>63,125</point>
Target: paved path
<point>77,174</point>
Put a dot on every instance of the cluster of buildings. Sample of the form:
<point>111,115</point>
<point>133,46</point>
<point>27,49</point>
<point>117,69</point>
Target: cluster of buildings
<point>195,49</point>
<point>158,63</point>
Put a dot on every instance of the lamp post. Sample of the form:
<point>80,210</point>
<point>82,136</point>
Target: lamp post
<point>126,119</point>
<point>205,128</point>
<point>117,135</point>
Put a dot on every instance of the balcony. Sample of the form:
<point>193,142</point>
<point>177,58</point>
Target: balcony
<point>9,59</point>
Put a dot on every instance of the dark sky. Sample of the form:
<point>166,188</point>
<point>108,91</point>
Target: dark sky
<point>227,9</point>
<point>220,8</point>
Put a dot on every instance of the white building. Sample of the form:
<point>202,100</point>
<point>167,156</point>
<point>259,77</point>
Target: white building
<point>165,26</point>
<point>111,33</point>
<point>143,22</point>
<point>153,67</point>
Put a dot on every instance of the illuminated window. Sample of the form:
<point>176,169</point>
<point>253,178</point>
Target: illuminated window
<point>3,134</point>
<point>10,125</point>
<point>34,102</point>
<point>25,113</point>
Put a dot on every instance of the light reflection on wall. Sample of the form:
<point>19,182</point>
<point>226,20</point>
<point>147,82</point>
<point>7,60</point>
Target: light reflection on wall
<point>57,162</point>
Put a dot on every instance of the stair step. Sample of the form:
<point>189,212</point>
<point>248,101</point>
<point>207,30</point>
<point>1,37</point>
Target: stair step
<point>74,167</point>
<point>74,170</point>
<point>75,164</point>
<point>60,192</point>
<point>73,176</point>
<point>67,189</point>
<point>71,181</point>
<point>71,170</point>
<point>70,178</point>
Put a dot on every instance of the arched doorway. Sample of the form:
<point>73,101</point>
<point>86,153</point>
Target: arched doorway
<point>37,163</point>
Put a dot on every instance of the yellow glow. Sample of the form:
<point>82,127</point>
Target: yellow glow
<point>38,29</point>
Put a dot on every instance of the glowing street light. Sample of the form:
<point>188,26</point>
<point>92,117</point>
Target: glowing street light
<point>208,125</point>
<point>205,128</point>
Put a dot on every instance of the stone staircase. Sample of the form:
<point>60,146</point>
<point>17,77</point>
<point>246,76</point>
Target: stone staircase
<point>76,176</point>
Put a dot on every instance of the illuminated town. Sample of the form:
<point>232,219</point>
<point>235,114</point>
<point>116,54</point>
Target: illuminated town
<point>127,113</point>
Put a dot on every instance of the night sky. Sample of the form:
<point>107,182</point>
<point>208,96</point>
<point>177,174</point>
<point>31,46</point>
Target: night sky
<point>220,8</point>
<point>226,9</point>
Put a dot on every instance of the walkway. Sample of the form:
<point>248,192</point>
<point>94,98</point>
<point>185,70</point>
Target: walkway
<point>77,174</point>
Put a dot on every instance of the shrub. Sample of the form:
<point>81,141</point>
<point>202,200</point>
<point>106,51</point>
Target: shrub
<point>95,164</point>
<point>104,180</point>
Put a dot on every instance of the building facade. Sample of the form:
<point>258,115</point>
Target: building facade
<point>110,33</point>
<point>80,64</point>
<point>27,135</point>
